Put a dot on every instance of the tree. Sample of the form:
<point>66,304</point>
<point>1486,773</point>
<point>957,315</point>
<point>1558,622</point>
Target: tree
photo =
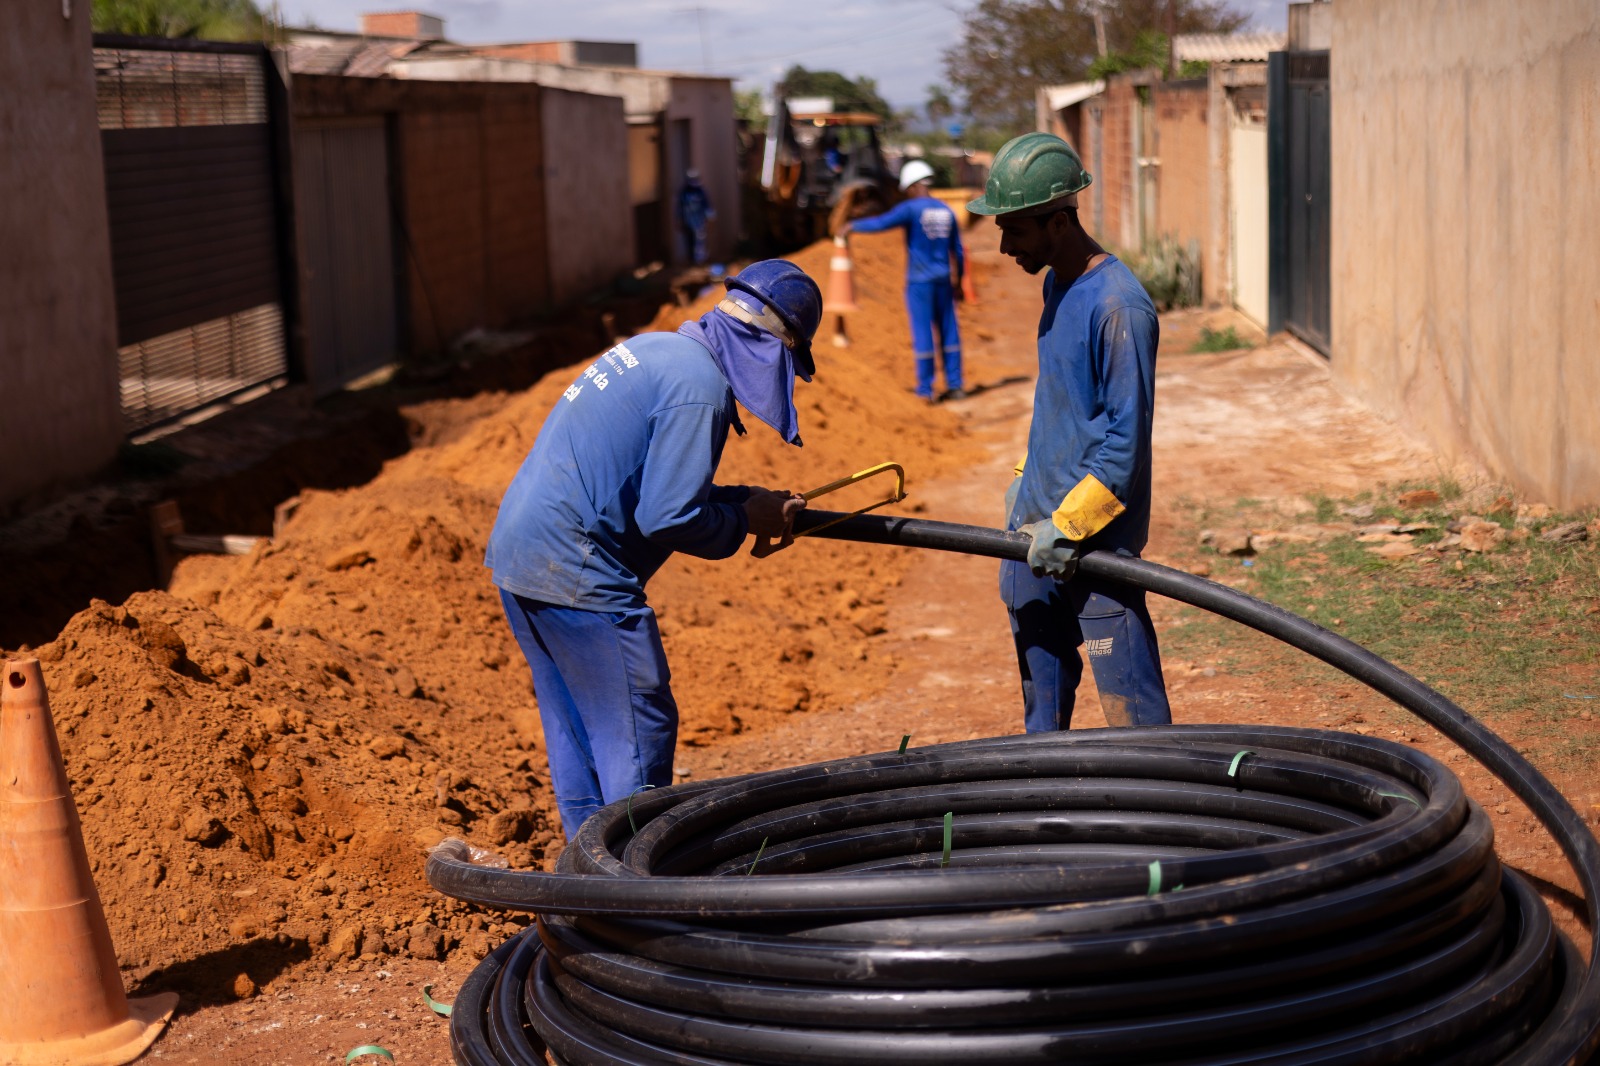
<point>747,106</point>
<point>939,108</point>
<point>860,94</point>
<point>1009,48</point>
<point>221,20</point>
<point>1150,48</point>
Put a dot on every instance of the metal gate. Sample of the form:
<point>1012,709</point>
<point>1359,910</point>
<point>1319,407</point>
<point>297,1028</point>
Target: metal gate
<point>341,179</point>
<point>193,192</point>
<point>1298,146</point>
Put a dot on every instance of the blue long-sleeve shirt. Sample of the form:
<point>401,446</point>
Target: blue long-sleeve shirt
<point>620,477</point>
<point>1094,404</point>
<point>933,240</point>
<point>694,206</point>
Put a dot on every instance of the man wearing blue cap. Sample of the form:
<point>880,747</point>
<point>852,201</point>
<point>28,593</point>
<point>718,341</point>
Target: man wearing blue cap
<point>619,478</point>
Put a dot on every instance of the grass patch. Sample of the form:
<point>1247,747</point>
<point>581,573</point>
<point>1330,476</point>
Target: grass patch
<point>1219,340</point>
<point>1169,272</point>
<point>1503,633</point>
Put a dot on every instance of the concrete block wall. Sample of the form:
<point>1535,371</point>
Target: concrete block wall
<point>58,345</point>
<point>441,155</point>
<point>1465,280</point>
<point>590,219</point>
<point>512,196</point>
<point>522,272</point>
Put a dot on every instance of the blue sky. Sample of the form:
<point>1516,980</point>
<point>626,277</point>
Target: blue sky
<point>898,42</point>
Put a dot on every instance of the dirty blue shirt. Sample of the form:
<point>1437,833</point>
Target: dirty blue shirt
<point>1094,404</point>
<point>694,206</point>
<point>932,239</point>
<point>620,478</point>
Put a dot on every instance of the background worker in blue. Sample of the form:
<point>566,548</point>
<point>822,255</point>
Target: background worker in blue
<point>1085,482</point>
<point>933,254</point>
<point>619,478</point>
<point>694,213</point>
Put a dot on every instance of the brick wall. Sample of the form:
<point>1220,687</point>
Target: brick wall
<point>538,51</point>
<point>1182,145</point>
<point>410,24</point>
<point>1114,181</point>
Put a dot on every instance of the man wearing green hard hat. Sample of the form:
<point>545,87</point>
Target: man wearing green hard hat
<point>1085,482</point>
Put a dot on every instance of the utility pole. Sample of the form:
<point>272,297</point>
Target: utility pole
<point>1099,7</point>
<point>699,13</point>
<point>1172,30</point>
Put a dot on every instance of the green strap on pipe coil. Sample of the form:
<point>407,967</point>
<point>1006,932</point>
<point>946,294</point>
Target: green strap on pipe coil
<point>757,859</point>
<point>631,823</point>
<point>443,1010</point>
<point>1402,796</point>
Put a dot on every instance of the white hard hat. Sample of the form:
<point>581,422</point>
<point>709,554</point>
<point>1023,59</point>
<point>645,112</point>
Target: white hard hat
<point>913,172</point>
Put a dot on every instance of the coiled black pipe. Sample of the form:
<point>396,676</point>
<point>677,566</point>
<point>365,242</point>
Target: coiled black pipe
<point>1339,902</point>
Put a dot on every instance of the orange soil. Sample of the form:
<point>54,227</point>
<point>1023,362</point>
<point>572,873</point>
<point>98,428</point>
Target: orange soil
<point>262,754</point>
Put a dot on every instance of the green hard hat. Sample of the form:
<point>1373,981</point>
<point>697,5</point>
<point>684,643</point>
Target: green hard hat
<point>1031,171</point>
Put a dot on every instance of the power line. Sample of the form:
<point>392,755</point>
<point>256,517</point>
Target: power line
<point>699,13</point>
<point>748,63</point>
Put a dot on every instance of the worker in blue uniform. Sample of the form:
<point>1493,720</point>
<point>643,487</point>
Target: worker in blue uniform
<point>935,264</point>
<point>694,214</point>
<point>619,478</point>
<point>1085,482</point>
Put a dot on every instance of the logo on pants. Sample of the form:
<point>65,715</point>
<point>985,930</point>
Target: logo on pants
<point>1098,647</point>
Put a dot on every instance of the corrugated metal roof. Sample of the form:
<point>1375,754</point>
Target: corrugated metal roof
<point>1059,96</point>
<point>358,57</point>
<point>1227,47</point>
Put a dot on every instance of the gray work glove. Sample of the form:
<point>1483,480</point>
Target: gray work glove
<point>1051,552</point>
<point>1011,497</point>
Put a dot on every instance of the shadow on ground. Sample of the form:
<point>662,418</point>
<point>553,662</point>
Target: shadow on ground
<point>210,979</point>
<point>229,473</point>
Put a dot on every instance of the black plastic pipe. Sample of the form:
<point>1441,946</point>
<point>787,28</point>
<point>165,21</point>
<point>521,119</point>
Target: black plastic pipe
<point>1359,861</point>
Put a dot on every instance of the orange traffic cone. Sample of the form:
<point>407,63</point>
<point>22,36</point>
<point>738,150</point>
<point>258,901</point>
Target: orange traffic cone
<point>63,996</point>
<point>841,279</point>
<point>969,292</point>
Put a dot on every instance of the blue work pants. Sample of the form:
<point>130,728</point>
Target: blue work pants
<point>601,678</point>
<point>694,240</point>
<point>932,305</point>
<point>1050,619</point>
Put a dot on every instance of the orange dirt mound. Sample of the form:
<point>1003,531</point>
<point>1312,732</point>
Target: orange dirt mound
<point>244,785</point>
<point>263,754</point>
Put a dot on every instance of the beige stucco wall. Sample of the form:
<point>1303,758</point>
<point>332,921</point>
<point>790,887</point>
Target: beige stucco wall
<point>708,105</point>
<point>1247,203</point>
<point>58,342</point>
<point>1466,281</point>
<point>588,209</point>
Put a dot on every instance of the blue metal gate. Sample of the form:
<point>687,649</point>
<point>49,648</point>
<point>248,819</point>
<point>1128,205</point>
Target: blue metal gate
<point>193,146</point>
<point>1298,138</point>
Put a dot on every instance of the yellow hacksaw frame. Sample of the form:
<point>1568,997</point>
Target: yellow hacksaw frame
<point>765,546</point>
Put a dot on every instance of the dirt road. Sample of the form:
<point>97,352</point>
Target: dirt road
<point>348,694</point>
<point>1261,422</point>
